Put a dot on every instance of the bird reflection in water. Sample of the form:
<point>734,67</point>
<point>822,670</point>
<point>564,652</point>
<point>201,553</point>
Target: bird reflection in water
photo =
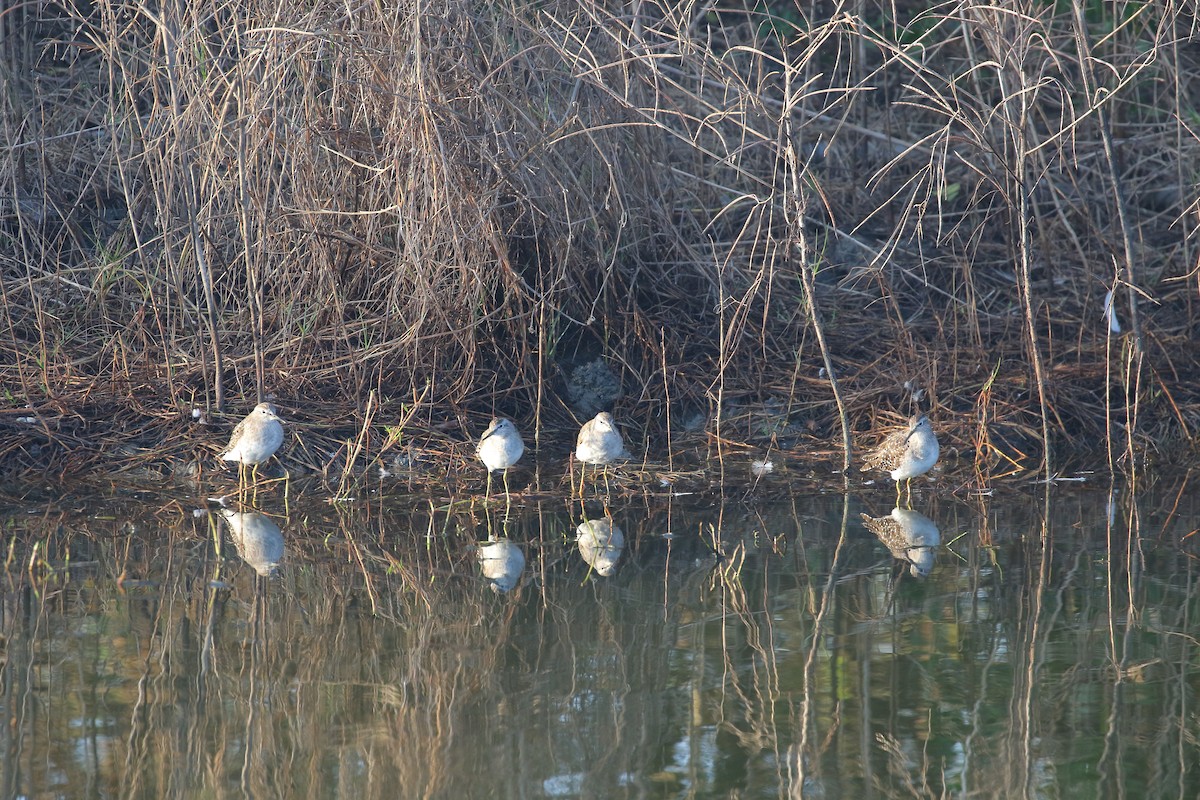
<point>502,563</point>
<point>258,540</point>
<point>909,535</point>
<point>600,543</point>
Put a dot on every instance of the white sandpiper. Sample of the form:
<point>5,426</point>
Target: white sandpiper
<point>255,439</point>
<point>599,442</point>
<point>499,448</point>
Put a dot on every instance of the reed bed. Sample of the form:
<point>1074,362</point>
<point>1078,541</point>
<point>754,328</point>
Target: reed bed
<point>398,220</point>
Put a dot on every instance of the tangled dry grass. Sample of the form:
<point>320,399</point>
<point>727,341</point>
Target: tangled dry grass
<point>446,207</point>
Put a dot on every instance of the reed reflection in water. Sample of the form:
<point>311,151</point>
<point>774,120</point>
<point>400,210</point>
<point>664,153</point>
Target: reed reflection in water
<point>761,649</point>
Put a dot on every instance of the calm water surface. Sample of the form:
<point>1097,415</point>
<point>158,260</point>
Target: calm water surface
<point>1032,644</point>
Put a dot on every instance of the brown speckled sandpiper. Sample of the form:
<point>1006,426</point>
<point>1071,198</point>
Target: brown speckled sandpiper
<point>906,453</point>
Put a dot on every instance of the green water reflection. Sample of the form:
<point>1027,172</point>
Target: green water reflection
<point>377,649</point>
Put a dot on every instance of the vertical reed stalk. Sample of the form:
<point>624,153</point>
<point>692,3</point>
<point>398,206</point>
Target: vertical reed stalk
<point>662,348</point>
<point>206,281</point>
<point>1134,366</point>
<point>1012,42</point>
<point>795,206</point>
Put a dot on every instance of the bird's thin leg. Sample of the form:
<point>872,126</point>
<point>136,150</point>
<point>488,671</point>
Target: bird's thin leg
<point>507,499</point>
<point>488,492</point>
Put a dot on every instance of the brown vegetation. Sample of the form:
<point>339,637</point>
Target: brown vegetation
<point>454,204</point>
